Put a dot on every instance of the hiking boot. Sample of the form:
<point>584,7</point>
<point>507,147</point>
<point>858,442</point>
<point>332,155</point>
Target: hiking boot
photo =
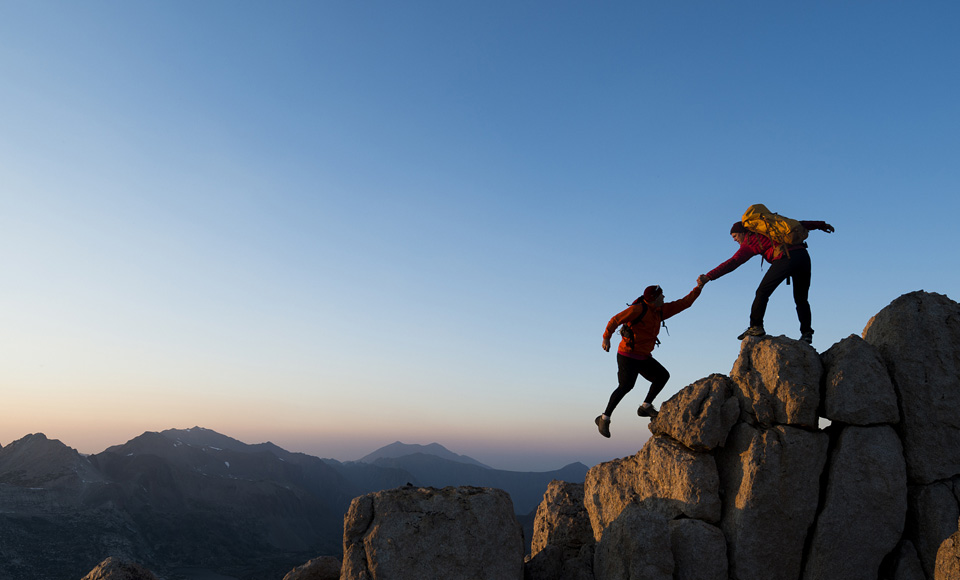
<point>647,410</point>
<point>603,425</point>
<point>752,331</point>
<point>807,337</point>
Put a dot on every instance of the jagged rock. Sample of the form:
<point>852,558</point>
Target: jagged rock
<point>918,336</point>
<point>413,533</point>
<point>779,382</point>
<point>562,520</point>
<point>636,546</point>
<point>948,559</point>
<point>865,507</point>
<point>699,416</point>
<point>665,477</point>
<point>933,513</point>
<point>323,568</point>
<point>771,482</point>
<point>117,569</point>
<point>699,551</point>
<point>857,387</point>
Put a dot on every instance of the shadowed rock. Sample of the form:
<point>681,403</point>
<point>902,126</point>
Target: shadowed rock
<point>771,482</point>
<point>857,387</point>
<point>862,519</point>
<point>562,545</point>
<point>636,546</point>
<point>933,513</point>
<point>918,336</point>
<point>699,551</point>
<point>562,520</point>
<point>413,533</point>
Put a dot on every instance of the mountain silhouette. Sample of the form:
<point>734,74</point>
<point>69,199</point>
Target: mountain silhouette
<point>197,499</point>
<point>398,449</point>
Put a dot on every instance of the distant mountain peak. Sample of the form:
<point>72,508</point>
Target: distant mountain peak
<point>400,449</point>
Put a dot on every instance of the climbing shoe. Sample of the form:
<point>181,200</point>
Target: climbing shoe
<point>647,410</point>
<point>807,337</point>
<point>752,331</point>
<point>603,424</point>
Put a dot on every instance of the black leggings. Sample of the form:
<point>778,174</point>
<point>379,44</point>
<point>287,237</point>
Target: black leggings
<point>627,371</point>
<point>796,267</point>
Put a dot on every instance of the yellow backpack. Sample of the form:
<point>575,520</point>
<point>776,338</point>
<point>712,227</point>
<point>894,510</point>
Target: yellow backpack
<point>781,230</point>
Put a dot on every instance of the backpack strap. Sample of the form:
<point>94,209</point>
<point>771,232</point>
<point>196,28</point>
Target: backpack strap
<point>638,318</point>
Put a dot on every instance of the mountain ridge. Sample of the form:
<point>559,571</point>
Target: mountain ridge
<point>195,498</point>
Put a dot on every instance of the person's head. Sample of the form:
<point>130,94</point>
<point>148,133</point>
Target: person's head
<point>653,295</point>
<point>738,232</point>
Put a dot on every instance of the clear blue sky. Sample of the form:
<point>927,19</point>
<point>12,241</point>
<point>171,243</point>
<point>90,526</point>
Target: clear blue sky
<point>334,225</point>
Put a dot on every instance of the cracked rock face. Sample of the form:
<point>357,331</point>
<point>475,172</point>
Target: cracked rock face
<point>779,380</point>
<point>857,388</point>
<point>701,415</point>
<point>413,533</point>
<point>562,520</point>
<point>918,336</point>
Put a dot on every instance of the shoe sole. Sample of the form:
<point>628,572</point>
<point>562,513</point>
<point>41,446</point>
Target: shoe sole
<point>599,428</point>
<point>745,335</point>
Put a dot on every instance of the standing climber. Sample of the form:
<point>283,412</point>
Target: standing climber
<point>793,262</point>
<point>641,324</point>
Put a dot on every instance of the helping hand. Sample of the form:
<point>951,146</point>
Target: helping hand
<point>828,228</point>
<point>702,280</point>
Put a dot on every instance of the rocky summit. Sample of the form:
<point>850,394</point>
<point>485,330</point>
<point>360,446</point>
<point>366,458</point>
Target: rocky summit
<point>843,465</point>
<point>836,466</point>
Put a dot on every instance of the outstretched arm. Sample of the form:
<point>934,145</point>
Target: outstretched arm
<point>743,254</point>
<point>818,225</point>
<point>671,308</point>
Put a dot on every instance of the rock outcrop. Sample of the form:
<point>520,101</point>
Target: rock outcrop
<point>779,382</point>
<point>700,416</point>
<point>862,518</point>
<point>117,569</point>
<point>771,479</point>
<point>563,543</point>
<point>918,336</point>
<point>739,480</point>
<point>857,388</point>
<point>413,533</point>
<point>748,486</point>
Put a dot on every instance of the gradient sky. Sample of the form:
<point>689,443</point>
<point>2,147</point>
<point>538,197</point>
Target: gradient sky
<point>334,225</point>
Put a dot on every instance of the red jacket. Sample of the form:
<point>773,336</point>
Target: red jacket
<point>645,330</point>
<point>754,244</point>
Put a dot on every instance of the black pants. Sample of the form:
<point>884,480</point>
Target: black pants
<point>797,268</point>
<point>627,371</point>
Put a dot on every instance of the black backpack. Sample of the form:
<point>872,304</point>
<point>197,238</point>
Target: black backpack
<point>626,332</point>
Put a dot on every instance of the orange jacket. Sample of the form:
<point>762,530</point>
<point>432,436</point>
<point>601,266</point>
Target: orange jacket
<point>645,331</point>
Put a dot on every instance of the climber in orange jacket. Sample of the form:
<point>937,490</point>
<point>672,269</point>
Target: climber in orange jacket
<point>641,324</point>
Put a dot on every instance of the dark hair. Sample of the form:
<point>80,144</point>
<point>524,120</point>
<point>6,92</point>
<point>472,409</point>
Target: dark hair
<point>738,228</point>
<point>651,293</point>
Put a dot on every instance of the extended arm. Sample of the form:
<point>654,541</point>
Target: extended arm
<point>677,306</point>
<point>818,225</point>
